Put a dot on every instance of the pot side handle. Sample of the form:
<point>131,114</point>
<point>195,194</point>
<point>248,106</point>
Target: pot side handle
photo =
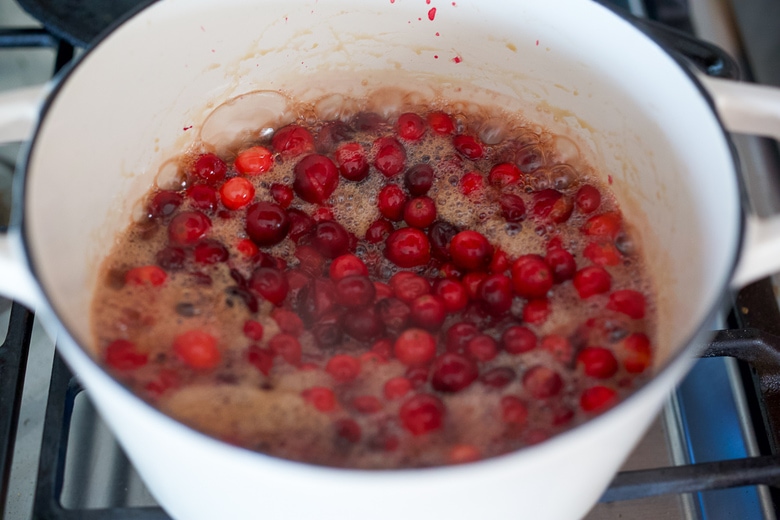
<point>19,111</point>
<point>746,108</point>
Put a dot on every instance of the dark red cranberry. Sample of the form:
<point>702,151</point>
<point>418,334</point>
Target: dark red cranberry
<point>552,205</point>
<point>171,258</point>
<point>394,313</point>
<point>459,335</point>
<point>512,207</point>
<point>471,250</point>
<point>310,260</point>
<point>410,126</point>
<point>301,224</point>
<point>355,291</point>
<point>428,312</point>
<point>441,234</point>
<point>498,377</point>
<point>513,410</point>
<point>541,382</point>
<point>330,238</point>
<point>208,168</point>
<point>292,140</point>
<point>378,231</point>
<point>316,177</point>
<point>367,404</point>
<point>390,156</point>
<point>208,251</point>
<point>408,247</point>
<point>531,276</point>
<point>452,373</point>
<point>164,203</point>
<point>367,121</point>
<point>409,286</point>
<point>561,264</point>
<point>421,414</point>
<point>419,179</point>
<point>328,331</point>
<point>203,197</point>
<point>592,280</point>
<point>188,227</point>
<point>495,294</point>
<point>331,134</point>
<point>452,293</point>
<point>471,282</point>
<point>504,174</point>
<point>271,284</point>
<point>266,223</point>
<point>415,347</point>
<point>364,324</point>
<point>418,376</point>
<point>317,299</point>
<point>391,202</point>
<point>347,265</point>
<point>518,339</point>
<point>482,347</point>
<point>587,199</point>
<point>352,161</point>
<point>348,430</point>
<point>500,262</point>
<point>468,146</point>
<point>420,212</point>
<point>441,123</point>
<point>283,195</point>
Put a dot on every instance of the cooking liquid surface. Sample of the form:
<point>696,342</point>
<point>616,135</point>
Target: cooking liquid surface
<point>306,378</point>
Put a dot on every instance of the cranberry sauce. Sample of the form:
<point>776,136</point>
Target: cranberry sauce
<point>380,293</point>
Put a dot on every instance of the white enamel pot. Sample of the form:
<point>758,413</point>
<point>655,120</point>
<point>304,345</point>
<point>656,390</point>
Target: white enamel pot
<point>143,91</point>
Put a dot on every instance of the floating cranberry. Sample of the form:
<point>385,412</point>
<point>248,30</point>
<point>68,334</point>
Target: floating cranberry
<point>592,280</point>
<point>367,404</point>
<point>148,275</point>
<point>208,251</point>
<point>495,294</point>
<point>606,225</point>
<point>122,354</point>
<point>208,168</point>
<point>471,183</point>
<point>164,204</point>
<point>253,330</point>
<point>452,294</point>
<point>420,212</point>
<point>531,276</point>
<point>310,260</point>
<point>323,399</point>
<point>391,202</point>
<point>330,238</point>
<point>517,339</point>
<point>470,250</point>
<point>463,453</point>
<point>560,348</point>
<point>288,321</point>
<point>419,179</point>
<point>512,207</point>
<point>301,224</point>
<point>468,146</point>
<point>422,414</point>
<point>552,205</point>
<point>171,258</point>
<point>410,126</point>
<point>266,223</point>
<point>500,262</point>
<point>452,373</point>
<point>292,140</point>
<point>197,348</point>
<point>541,382</point>
<point>188,227</point>
<point>317,299</point>
<point>415,347</point>
<point>471,282</point>
<point>355,291</point>
<point>631,303</point>
<point>428,312</point>
<point>504,174</point>
<point>203,197</point>
<point>394,313</point>
<point>396,388</point>
<point>408,247</point>
<point>498,377</point>
<point>364,324</point>
<point>328,331</point>
<point>343,368</point>
<point>482,347</point>
<point>597,362</point>
<point>597,399</point>
<point>316,178</point>
<point>637,354</point>
<point>352,161</point>
<point>459,335</point>
<point>418,376</point>
<point>249,250</point>
<point>536,311</point>
<point>561,264</point>
<point>331,134</point>
<point>283,195</point>
<point>390,156</point>
<point>262,359</point>
<point>602,253</point>
<point>441,123</point>
<point>347,265</point>
<point>513,410</point>
<point>383,291</point>
<point>409,286</point>
<point>587,199</point>
<point>378,231</point>
<point>271,284</point>
<point>254,161</point>
<point>287,347</point>
<point>368,121</point>
<point>451,272</point>
<point>441,234</point>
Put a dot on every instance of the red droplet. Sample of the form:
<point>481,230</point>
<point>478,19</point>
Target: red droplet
<point>432,14</point>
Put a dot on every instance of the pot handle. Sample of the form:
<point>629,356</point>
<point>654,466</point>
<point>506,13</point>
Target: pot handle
<point>747,108</point>
<point>19,111</point>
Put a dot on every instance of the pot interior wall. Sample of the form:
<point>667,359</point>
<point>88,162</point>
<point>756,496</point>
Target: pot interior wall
<point>143,94</point>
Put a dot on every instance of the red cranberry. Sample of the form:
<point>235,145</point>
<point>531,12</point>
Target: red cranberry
<point>428,312</point>
<point>390,156</point>
<point>419,179</point>
<point>347,265</point>
<point>409,286</point>
<point>415,347</point>
<point>531,276</point>
<point>536,311</point>
<point>236,193</point>
<point>495,294</point>
<point>452,373</point>
<point>541,382</point>
<point>408,247</point>
<point>597,399</point>
<point>420,212</point>
<point>188,227</point>
<point>383,291</point>
<point>343,368</point>
<point>171,258</point>
<point>421,414</point>
<point>287,347</point>
<point>367,404</point>
<point>471,183</point>
<point>441,234</point>
<point>500,262</point>
<point>471,282</point>
<point>283,195</point>
<point>288,321</point>
<point>602,253</point>
<point>441,123</point>
<point>513,410</point>
<point>148,275</point>
<point>394,313</point>
<point>459,335</point>
<point>198,349</point>
<point>518,339</point>
<point>470,250</point>
<point>316,177</point>
<point>271,284</point>
<point>352,161</point>
<point>368,121</point>
<point>355,291</point>
<point>552,205</point>
<point>262,359</point>
<point>561,264</point>
<point>317,299</point>
<point>597,362</point>
<point>328,331</point>
<point>323,399</point>
<point>254,161</point>
<point>512,207</point>
<point>396,388</point>
<point>631,303</point>
<point>378,231</point>
<point>208,168</point>
<point>410,126</point>
<point>391,202</point>
<point>364,324</point>
<point>292,140</point>
<point>451,272</point>
<point>482,347</point>
<point>504,174</point>
<point>164,203</point>
<point>122,354</point>
<point>560,348</point>
<point>637,355</point>
<point>301,224</point>
<point>498,377</point>
<point>452,293</point>
<point>330,239</point>
<point>418,376</point>
<point>587,199</point>
<point>203,197</point>
<point>468,146</point>
<point>208,251</point>
<point>266,223</point>
<point>592,280</point>
<point>606,225</point>
<point>322,214</point>
<point>331,134</point>
<point>310,260</point>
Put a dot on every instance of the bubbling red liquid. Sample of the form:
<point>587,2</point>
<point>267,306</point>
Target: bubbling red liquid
<point>380,293</point>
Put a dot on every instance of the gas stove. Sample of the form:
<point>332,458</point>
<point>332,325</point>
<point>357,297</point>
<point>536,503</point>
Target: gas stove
<point>711,453</point>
